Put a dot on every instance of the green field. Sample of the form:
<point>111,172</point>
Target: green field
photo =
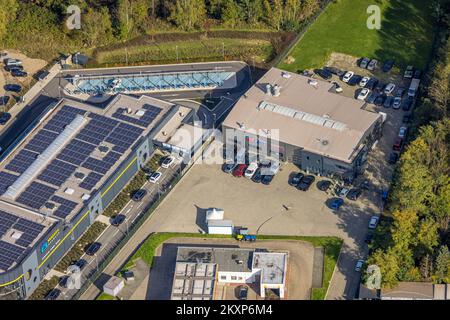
<point>332,246</point>
<point>406,34</point>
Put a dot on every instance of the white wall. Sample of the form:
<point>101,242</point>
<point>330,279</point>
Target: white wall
<point>241,277</point>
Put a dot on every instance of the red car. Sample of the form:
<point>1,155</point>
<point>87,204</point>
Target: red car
<point>398,143</point>
<point>239,170</point>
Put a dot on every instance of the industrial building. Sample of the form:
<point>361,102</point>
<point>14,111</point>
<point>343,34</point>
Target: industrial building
<point>198,269</point>
<point>302,120</point>
<point>64,172</point>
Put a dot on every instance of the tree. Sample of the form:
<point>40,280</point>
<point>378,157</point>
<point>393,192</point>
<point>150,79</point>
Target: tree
<point>8,10</point>
<point>442,271</point>
<point>231,14</point>
<point>97,27</point>
<point>389,267</point>
<point>188,14</point>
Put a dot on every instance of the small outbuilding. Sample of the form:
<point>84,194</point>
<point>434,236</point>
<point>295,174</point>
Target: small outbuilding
<point>113,286</point>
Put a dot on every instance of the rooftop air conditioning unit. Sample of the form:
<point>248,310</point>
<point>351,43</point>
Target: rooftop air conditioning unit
<point>129,111</point>
<point>276,90</point>
<point>286,75</point>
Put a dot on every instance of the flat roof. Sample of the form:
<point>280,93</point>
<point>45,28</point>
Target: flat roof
<point>273,266</point>
<point>228,259</point>
<point>71,153</point>
<point>194,281</point>
<point>409,290</point>
<point>309,116</point>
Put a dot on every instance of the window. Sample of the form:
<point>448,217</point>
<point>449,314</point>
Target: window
<point>223,277</point>
<point>240,278</point>
<point>233,278</point>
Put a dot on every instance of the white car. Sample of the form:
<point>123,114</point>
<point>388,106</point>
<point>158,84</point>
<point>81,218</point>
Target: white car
<point>364,81</point>
<point>343,192</point>
<point>337,87</point>
<point>402,132</point>
<point>397,103</point>
<point>251,169</point>
<point>359,265</point>
<point>363,94</point>
<point>372,65</point>
<point>373,222</point>
<point>167,162</point>
<point>389,88</point>
<point>347,76</point>
<point>154,177</point>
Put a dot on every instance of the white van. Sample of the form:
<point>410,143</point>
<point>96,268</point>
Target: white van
<point>413,87</point>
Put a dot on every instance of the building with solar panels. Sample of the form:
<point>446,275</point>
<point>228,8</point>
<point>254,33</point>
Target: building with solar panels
<point>63,173</point>
<point>312,126</point>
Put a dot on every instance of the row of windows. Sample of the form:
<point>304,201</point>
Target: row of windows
<point>233,278</point>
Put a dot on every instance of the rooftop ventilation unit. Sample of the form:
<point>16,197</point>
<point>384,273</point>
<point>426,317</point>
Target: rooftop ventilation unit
<point>285,75</point>
<point>268,89</point>
<point>276,90</point>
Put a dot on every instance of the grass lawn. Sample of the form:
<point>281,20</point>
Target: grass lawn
<point>405,35</point>
<point>332,247</point>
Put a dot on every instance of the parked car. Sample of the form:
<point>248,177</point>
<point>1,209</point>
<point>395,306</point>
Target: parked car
<point>18,73</point>
<point>388,102</point>
<point>407,103</point>
<point>359,265</point>
<point>13,87</point>
<point>397,102</point>
<point>295,179</point>
<point>342,191</point>
<point>409,72</point>
<point>12,62</point>
<point>347,76</point>
<point>364,81</point>
<point>362,95</point>
<point>388,65</point>
<point>354,80</point>
<point>324,185</point>
<point>63,281</point>
<point>406,118</point>
<point>389,88</point>
<point>81,263</point>
<point>10,68</point>
<point>4,100</point>
<point>267,179</point>
<point>323,73</point>
<point>239,170</point>
<point>417,74</point>
<point>373,222</point>
<point>371,97</point>
<point>393,158</point>
<point>398,144</point>
<point>4,117</point>
<point>402,132</point>
<point>379,101</point>
<point>306,182</point>
<point>336,203</point>
<point>364,62</point>
<point>53,294</point>
<point>372,65</point>
<point>379,87</point>
<point>93,248</point>
<point>251,169</point>
<point>138,195</point>
<point>167,162</point>
<point>335,71</point>
<point>118,220</point>
<point>369,238</point>
<point>228,167</point>
<point>372,83</point>
<point>399,92</point>
<point>354,194</point>
<point>155,176</point>
<point>257,177</point>
<point>243,292</point>
<point>337,87</point>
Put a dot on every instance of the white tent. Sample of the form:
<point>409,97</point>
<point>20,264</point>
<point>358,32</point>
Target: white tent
<point>214,214</point>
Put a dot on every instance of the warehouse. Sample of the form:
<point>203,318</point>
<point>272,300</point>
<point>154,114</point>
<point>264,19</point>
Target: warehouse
<point>303,121</point>
<point>63,174</point>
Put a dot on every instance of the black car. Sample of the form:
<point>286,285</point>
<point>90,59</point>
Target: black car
<point>18,73</point>
<point>388,64</point>
<point>323,73</point>
<point>81,264</point>
<point>267,179</point>
<point>243,292</point>
<point>93,248</point>
<point>13,87</point>
<point>335,71</point>
<point>372,97</point>
<point>10,68</point>
<point>379,101</point>
<point>228,167</point>
<point>323,185</point>
<point>388,102</point>
<point>295,179</point>
<point>4,117</point>
<point>353,194</point>
<point>118,220</point>
<point>393,158</point>
<point>379,87</point>
<point>417,74</point>
<point>63,281</point>
<point>369,238</point>
<point>138,195</point>
<point>406,118</point>
<point>306,182</point>
<point>372,83</point>
<point>407,103</point>
<point>257,176</point>
<point>354,80</point>
<point>53,295</point>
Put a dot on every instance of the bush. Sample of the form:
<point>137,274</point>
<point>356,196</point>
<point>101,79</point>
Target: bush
<point>44,288</point>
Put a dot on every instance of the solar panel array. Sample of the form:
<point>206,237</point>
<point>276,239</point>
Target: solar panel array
<point>6,179</point>
<point>57,172</point>
<point>10,253</point>
<point>41,141</point>
<point>65,206</point>
<point>123,136</point>
<point>150,114</point>
<point>36,195</point>
<point>21,161</point>
<point>90,181</point>
<point>63,118</point>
